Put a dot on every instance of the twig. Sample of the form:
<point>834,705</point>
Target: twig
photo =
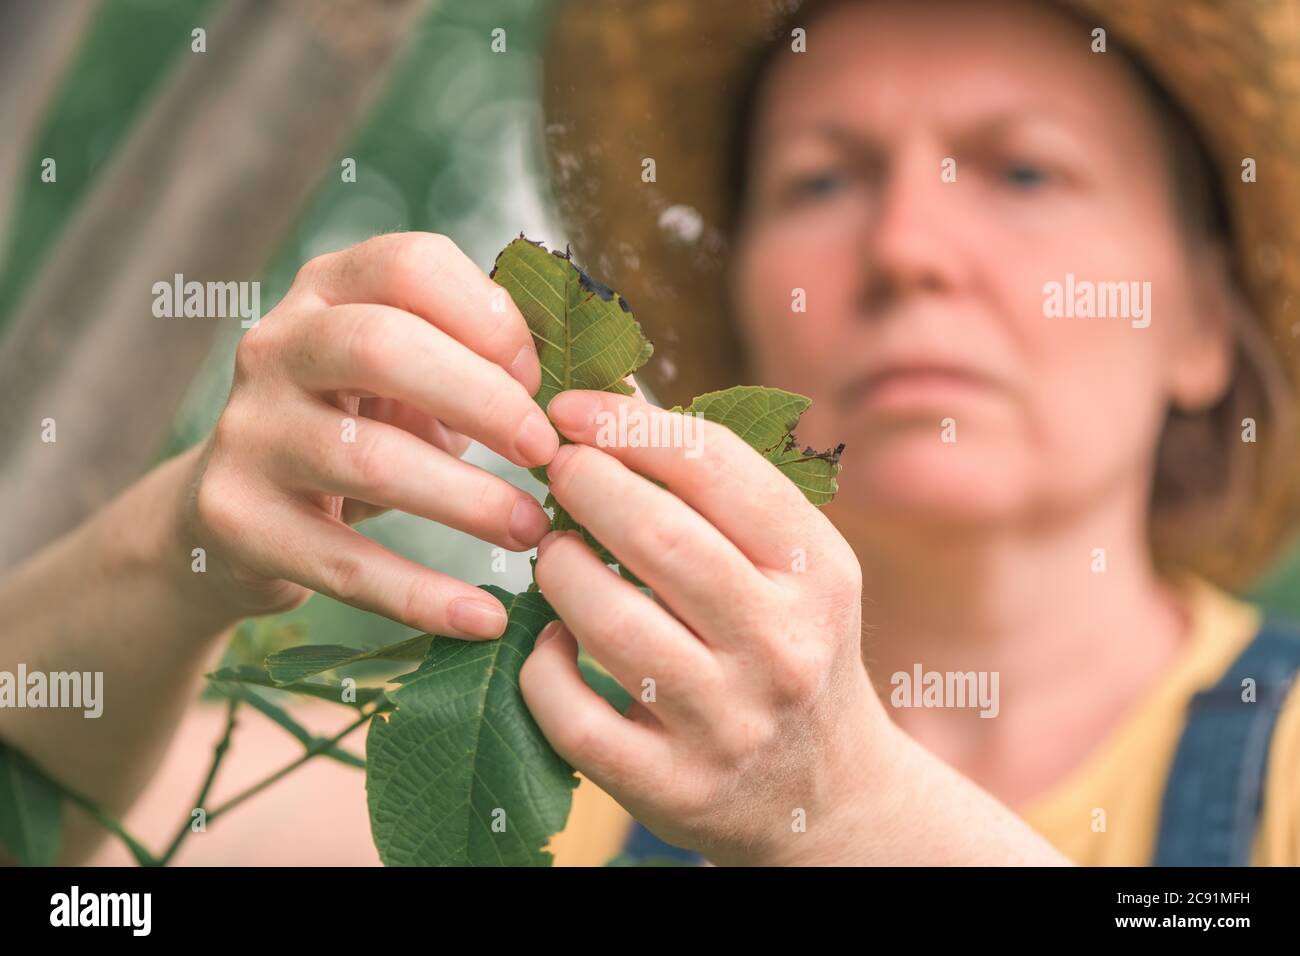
<point>314,750</point>
<point>142,855</point>
<point>111,824</point>
<point>218,754</point>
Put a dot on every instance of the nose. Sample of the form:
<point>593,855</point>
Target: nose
<point>910,245</point>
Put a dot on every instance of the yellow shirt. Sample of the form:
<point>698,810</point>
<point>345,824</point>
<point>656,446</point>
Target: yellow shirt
<point>1125,776</point>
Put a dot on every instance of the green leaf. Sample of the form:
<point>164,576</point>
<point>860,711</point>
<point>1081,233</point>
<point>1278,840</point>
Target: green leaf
<point>585,334</point>
<point>31,810</point>
<point>295,663</point>
<point>257,639</point>
<point>603,683</point>
<point>461,753</point>
<point>766,419</point>
<point>323,690</point>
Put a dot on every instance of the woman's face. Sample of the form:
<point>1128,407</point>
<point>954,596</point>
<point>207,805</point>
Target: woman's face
<point>923,343</point>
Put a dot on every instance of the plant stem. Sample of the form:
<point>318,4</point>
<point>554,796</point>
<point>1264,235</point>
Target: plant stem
<point>111,824</point>
<point>218,754</point>
<point>142,856</point>
<point>314,750</point>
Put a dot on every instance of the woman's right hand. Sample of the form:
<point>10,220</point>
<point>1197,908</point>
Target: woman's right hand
<point>357,393</point>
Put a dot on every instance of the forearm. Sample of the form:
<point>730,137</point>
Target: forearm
<point>111,597</point>
<point>905,807</point>
<point>942,818</point>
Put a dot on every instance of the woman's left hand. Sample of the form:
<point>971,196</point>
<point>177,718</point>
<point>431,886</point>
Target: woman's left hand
<point>755,733</point>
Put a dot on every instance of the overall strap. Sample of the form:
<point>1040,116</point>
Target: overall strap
<point>1215,788</point>
<point>643,848</point>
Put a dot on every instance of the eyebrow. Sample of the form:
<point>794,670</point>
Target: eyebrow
<point>857,140</point>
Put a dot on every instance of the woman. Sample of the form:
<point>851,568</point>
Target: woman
<point>1013,489</point>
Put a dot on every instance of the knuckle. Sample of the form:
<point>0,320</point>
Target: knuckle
<point>231,429</point>
<point>665,544</point>
<point>801,672</point>
<point>843,571</point>
<point>712,682</point>
<point>369,460</point>
<point>852,571</point>
<point>217,510</point>
<point>366,344</point>
<point>252,352</point>
<point>311,272</point>
<point>341,573</point>
<point>740,739</point>
<point>419,596</point>
<point>717,453</point>
<point>419,256</point>
<point>581,737</point>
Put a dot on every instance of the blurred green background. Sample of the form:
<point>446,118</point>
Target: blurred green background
<point>451,146</point>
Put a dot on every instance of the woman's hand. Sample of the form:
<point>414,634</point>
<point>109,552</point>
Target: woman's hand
<point>358,393</point>
<point>754,725</point>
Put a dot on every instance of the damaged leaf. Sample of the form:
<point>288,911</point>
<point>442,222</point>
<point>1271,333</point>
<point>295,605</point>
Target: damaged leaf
<point>765,418</point>
<point>585,334</point>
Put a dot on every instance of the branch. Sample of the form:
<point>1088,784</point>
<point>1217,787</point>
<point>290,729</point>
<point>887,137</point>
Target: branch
<point>218,755</point>
<point>315,750</point>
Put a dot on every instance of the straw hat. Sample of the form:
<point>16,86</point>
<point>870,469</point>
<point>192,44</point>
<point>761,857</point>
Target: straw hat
<point>631,79</point>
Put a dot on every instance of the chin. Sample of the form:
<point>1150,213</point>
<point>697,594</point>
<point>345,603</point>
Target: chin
<point>920,481</point>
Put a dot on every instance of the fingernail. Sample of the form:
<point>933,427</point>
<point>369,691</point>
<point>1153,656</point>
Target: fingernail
<point>536,441</point>
<point>552,538</point>
<point>548,632</point>
<point>547,541</point>
<point>574,411</point>
<point>479,618</point>
<point>526,369</point>
<point>560,457</point>
<point>528,522</point>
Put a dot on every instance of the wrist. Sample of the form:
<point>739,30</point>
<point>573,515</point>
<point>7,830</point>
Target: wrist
<point>854,812</point>
<point>151,530</point>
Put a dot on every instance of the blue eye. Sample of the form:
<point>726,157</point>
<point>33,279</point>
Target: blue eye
<point>817,186</point>
<point>1024,175</point>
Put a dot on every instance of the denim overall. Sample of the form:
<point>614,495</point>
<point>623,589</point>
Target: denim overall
<point>1215,788</point>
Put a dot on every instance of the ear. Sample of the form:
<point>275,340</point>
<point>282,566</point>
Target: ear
<point>1203,352</point>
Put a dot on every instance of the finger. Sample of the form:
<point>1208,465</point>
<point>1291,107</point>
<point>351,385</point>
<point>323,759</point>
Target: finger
<point>428,275</point>
<point>358,458</point>
<point>703,578</point>
<point>584,729</point>
<point>385,351</point>
<point>309,548</point>
<point>704,463</point>
<point>417,423</point>
<point>626,632</point>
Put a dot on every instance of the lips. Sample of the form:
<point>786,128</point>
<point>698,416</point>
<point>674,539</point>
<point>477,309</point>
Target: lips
<point>911,381</point>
